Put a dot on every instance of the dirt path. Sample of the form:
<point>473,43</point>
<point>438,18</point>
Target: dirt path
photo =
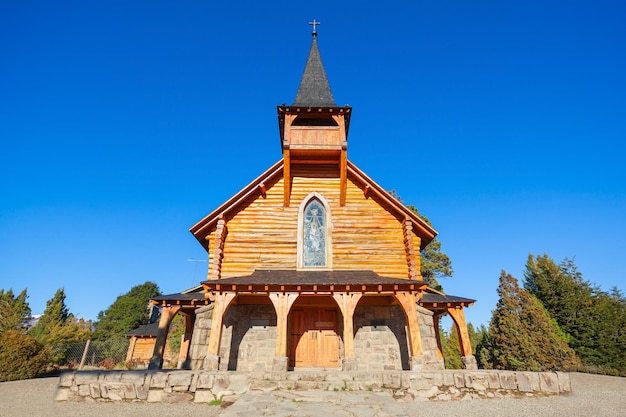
<point>594,395</point>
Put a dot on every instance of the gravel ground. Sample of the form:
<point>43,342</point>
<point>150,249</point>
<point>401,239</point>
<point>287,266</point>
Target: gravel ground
<point>593,395</point>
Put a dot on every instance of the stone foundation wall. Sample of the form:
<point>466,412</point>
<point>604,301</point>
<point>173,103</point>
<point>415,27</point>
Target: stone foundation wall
<point>381,343</point>
<point>432,361</point>
<point>205,386</point>
<point>200,337</point>
<point>248,338</point>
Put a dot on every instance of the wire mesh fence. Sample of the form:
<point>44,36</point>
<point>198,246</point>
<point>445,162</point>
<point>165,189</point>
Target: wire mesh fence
<point>105,354</point>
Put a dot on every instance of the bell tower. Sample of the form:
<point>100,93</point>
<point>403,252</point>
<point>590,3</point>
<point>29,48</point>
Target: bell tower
<point>314,130</point>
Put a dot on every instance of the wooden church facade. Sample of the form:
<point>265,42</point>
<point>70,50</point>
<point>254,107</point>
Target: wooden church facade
<point>312,264</point>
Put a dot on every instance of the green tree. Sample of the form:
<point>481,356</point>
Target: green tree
<point>476,336</point>
<point>14,310</point>
<point>521,335</point>
<point>58,326</point>
<point>593,320</point>
<point>435,264</point>
<point>21,356</point>
<point>451,348</point>
<point>126,313</point>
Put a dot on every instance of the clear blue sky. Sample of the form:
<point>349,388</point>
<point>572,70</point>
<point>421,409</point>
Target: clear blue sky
<point>124,123</point>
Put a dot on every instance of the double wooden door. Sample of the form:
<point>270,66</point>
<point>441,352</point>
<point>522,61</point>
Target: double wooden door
<point>314,339</point>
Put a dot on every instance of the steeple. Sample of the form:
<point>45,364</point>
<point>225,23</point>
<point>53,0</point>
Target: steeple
<point>313,130</point>
<point>314,89</point>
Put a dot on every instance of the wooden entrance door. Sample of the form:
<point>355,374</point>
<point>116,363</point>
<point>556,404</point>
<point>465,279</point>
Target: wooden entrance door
<point>313,338</point>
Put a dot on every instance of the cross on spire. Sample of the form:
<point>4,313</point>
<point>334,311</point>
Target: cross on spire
<point>314,23</point>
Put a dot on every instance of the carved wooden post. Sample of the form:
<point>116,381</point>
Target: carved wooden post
<point>282,304</point>
<point>183,355</point>
<point>409,305</point>
<point>167,314</point>
<point>437,335</point>
<point>215,265</point>
<point>347,304</point>
<point>131,349</point>
<point>468,360</point>
<point>221,304</point>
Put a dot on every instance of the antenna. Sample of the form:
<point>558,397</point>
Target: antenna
<point>195,269</point>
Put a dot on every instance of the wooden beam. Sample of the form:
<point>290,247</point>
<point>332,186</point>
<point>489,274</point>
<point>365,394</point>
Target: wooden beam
<point>343,176</point>
<point>286,178</point>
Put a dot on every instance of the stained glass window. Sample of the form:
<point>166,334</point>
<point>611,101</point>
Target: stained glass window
<point>314,237</point>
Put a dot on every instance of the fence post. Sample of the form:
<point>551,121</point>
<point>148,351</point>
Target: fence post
<point>82,360</point>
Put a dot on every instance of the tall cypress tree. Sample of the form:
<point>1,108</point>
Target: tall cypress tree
<point>521,335</point>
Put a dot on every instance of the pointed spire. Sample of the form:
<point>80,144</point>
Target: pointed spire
<point>314,89</point>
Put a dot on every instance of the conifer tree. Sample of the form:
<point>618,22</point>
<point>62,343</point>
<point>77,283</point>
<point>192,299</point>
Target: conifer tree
<point>592,320</point>
<point>521,336</point>
<point>57,325</point>
<point>14,310</point>
<point>451,348</point>
<point>127,312</point>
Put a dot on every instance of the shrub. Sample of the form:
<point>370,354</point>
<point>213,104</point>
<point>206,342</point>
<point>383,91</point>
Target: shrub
<point>21,356</point>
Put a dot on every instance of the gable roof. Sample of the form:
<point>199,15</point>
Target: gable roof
<point>314,88</point>
<point>204,227</point>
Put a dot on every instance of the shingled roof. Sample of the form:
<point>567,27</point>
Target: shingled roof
<point>314,90</point>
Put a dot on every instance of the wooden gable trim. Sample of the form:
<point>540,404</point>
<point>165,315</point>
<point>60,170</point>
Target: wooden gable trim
<point>202,229</point>
<point>420,227</point>
<point>215,270</point>
<point>411,258</point>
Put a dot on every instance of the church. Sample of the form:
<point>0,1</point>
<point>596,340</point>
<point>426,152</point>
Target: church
<point>312,264</point>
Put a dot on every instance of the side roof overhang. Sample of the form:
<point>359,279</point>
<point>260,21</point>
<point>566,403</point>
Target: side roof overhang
<point>257,187</point>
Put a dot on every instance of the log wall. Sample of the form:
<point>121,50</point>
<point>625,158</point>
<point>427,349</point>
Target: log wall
<point>263,233</point>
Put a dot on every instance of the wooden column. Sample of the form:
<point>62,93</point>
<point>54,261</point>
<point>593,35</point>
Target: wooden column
<point>408,301</point>
<point>347,304</point>
<point>458,316</point>
<point>183,355</point>
<point>437,335</point>
<point>131,348</point>
<point>167,314</point>
<point>220,305</point>
<point>282,304</point>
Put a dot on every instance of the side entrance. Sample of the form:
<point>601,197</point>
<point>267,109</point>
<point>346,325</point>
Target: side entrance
<point>313,337</point>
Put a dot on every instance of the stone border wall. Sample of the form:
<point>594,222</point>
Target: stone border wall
<point>205,386</point>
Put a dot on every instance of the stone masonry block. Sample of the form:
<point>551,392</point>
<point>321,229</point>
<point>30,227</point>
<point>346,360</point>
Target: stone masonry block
<point>524,381</point>
<point>83,390</point>
<point>66,379</point>
<point>548,382</point>
<point>459,380</point>
<point>180,379</point>
<point>203,396</point>
<point>205,381</point>
<point>94,390</point>
<point>507,381</point>
<point>564,382</point>
<point>133,377</point>
<point>81,378</point>
<point>158,379</point>
<point>448,379</point>
<point>493,379</point>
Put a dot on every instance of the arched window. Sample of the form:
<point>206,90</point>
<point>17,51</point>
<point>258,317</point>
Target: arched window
<point>314,233</point>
